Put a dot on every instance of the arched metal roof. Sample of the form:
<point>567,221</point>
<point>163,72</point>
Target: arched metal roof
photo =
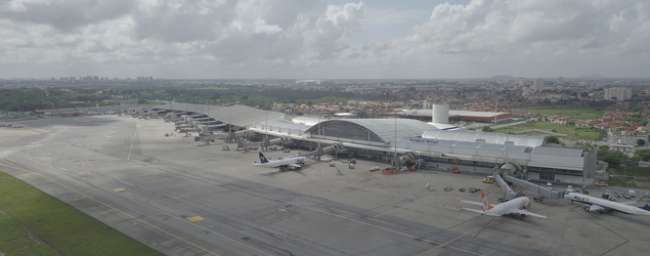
<point>384,128</point>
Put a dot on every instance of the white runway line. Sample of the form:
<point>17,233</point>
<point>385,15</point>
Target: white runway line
<point>128,157</point>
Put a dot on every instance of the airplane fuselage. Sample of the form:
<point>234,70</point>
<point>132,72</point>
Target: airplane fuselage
<point>283,163</point>
<point>605,204</point>
<point>506,207</point>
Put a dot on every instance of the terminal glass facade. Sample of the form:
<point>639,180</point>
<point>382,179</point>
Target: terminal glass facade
<point>345,130</point>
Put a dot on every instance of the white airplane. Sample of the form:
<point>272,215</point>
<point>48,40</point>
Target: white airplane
<point>291,163</point>
<point>514,207</point>
<point>595,204</point>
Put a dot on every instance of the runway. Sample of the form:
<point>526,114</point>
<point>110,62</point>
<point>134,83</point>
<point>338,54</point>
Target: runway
<point>182,199</point>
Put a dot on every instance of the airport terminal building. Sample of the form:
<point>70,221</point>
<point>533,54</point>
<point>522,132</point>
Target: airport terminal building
<point>382,139</point>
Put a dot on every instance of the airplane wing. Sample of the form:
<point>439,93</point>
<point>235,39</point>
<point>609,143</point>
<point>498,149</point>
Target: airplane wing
<point>295,166</point>
<point>471,202</point>
<point>474,210</point>
<point>527,213</point>
<point>480,212</point>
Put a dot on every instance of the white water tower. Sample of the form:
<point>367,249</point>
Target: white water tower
<point>440,114</point>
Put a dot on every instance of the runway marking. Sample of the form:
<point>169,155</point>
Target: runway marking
<point>388,229</point>
<point>134,218</point>
<point>157,227</point>
<point>625,240</point>
<point>261,252</point>
<point>118,190</point>
<point>195,219</point>
<point>392,231</point>
<point>128,157</point>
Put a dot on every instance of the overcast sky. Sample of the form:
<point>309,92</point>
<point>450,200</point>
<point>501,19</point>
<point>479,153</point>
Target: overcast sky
<point>324,39</point>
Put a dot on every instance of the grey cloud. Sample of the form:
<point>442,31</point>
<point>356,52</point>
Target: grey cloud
<point>250,30</point>
<point>65,15</point>
<point>209,38</point>
<point>330,28</point>
<point>306,33</point>
<point>223,30</point>
<point>493,25</point>
<point>244,47</point>
<point>286,13</point>
<point>183,21</point>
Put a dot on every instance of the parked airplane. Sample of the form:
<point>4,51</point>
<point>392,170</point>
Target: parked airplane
<point>514,207</point>
<point>291,163</point>
<point>595,204</point>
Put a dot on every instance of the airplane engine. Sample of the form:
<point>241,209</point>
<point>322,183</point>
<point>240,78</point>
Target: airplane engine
<point>409,160</point>
<point>594,208</point>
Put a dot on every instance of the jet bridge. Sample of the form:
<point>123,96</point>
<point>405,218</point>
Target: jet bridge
<point>204,119</point>
<point>210,123</point>
<point>197,116</point>
<point>539,192</point>
<point>212,128</point>
<point>509,193</point>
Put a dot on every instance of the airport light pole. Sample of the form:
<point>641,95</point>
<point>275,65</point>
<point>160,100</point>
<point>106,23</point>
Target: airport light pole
<point>397,162</point>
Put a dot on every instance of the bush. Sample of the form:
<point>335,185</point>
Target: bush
<point>613,158</point>
<point>643,155</point>
<point>553,140</point>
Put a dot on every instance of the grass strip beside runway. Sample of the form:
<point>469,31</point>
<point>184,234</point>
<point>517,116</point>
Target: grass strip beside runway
<point>34,223</point>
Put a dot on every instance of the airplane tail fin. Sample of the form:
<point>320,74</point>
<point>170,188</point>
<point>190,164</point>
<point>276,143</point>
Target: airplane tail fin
<point>263,158</point>
<point>486,205</point>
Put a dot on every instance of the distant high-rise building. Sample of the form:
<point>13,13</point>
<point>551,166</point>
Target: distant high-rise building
<point>618,93</point>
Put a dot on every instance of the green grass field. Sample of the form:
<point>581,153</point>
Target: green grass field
<point>572,132</point>
<point>580,113</point>
<point>634,171</point>
<point>34,223</point>
<point>621,182</point>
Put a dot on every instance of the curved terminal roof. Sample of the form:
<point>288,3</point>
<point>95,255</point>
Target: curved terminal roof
<point>381,130</point>
<point>485,137</point>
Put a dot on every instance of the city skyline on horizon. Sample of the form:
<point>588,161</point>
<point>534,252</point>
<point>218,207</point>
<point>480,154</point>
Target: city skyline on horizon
<point>493,77</point>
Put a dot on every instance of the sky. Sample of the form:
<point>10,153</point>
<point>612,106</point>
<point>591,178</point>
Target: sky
<point>324,39</point>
